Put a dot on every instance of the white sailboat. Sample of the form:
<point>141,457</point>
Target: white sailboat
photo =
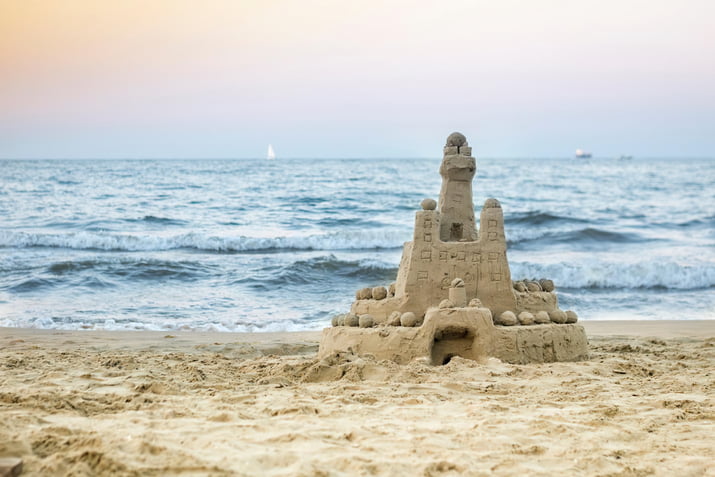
<point>271,154</point>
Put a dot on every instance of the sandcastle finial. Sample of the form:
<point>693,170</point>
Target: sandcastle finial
<point>457,139</point>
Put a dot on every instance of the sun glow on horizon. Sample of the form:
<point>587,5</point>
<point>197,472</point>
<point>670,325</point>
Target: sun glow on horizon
<point>174,79</point>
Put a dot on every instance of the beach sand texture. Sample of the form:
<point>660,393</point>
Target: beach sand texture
<point>146,403</point>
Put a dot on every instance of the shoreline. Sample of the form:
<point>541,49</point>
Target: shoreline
<point>304,341</point>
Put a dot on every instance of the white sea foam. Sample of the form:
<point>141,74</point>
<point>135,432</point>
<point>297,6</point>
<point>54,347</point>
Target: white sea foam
<point>599,274</point>
<point>283,325</point>
<point>347,240</point>
<point>343,240</point>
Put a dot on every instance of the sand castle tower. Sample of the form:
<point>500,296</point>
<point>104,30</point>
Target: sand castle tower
<point>454,294</point>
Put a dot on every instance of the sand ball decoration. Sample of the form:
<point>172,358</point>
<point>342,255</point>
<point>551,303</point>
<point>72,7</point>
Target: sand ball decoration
<point>507,318</point>
<point>408,319</point>
<point>542,318</point>
<point>366,321</point>
<point>526,318</point>
<point>379,293</point>
<point>571,316</point>
<point>428,204</point>
<point>394,319</point>
<point>547,285</point>
<point>533,286</point>
<point>557,316</point>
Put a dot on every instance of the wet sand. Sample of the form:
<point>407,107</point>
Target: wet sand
<point>157,403</point>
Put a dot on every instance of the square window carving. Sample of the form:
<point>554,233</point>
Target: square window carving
<point>455,233</point>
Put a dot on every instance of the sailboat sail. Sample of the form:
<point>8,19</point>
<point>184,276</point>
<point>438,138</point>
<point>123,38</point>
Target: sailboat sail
<point>271,153</point>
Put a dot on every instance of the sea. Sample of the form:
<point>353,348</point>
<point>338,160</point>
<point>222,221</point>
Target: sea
<point>257,245</point>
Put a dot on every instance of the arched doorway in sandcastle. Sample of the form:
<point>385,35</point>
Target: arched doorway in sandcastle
<point>451,341</point>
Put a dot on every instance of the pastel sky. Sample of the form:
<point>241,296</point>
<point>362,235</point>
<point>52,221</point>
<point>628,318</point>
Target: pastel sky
<point>369,78</point>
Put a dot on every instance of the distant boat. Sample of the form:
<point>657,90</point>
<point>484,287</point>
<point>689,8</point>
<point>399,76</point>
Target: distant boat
<point>581,154</point>
<point>624,158</point>
<point>271,154</point>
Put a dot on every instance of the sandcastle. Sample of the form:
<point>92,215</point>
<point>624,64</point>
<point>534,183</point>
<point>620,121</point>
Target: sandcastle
<point>454,295</point>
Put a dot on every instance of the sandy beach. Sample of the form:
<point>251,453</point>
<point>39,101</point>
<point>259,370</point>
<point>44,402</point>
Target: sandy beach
<point>153,403</point>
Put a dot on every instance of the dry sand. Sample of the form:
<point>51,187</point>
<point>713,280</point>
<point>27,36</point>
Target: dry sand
<point>142,403</point>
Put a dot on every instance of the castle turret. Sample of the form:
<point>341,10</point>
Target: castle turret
<point>455,198</point>
<point>494,288</point>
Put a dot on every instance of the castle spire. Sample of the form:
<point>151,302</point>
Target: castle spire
<point>455,198</point>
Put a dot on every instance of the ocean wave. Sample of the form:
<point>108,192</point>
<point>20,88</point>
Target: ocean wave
<point>322,269</point>
<point>29,285</point>
<point>540,218</point>
<point>591,234</point>
<point>134,269</point>
<point>110,324</point>
<point>586,235</point>
<point>103,273</point>
<point>598,274</point>
<point>158,220</point>
<point>370,239</point>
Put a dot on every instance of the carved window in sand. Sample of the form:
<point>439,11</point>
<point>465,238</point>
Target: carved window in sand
<point>492,235</point>
<point>495,272</point>
<point>455,233</point>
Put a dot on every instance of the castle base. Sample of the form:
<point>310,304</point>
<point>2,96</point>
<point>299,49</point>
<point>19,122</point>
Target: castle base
<point>466,332</point>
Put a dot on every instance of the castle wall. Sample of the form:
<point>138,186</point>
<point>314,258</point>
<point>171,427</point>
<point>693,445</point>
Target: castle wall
<point>465,332</point>
<point>429,265</point>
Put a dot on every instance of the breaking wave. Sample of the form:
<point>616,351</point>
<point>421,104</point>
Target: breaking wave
<point>343,240</point>
<point>540,218</point>
<point>379,239</point>
<point>103,273</point>
<point>587,235</point>
<point>597,274</point>
<point>323,269</point>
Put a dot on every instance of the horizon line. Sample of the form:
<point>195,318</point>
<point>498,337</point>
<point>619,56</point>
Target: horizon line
<point>345,158</point>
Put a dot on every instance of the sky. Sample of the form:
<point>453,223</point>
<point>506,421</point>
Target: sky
<point>370,78</point>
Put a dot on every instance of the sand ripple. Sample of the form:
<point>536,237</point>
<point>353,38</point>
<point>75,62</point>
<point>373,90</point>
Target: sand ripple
<point>637,407</point>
